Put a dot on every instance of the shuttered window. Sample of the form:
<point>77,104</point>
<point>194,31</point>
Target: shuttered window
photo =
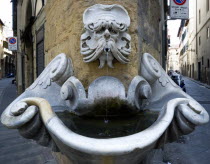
<point>40,51</point>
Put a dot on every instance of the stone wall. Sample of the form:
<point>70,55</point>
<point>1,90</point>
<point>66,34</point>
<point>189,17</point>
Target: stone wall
<point>149,16</point>
<point>64,27</point>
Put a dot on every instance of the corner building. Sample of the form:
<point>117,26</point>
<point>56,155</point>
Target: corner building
<point>46,28</point>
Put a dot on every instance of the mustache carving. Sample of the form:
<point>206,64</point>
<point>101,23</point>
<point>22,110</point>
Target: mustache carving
<point>105,51</point>
<point>94,54</point>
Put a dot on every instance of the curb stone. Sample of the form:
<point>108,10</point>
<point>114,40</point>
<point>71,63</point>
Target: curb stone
<point>198,82</point>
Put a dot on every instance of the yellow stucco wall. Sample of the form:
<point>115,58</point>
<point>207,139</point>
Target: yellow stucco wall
<point>63,29</point>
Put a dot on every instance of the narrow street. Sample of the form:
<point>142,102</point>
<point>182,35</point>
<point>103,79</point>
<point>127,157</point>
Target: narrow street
<point>195,147</point>
<point>13,147</point>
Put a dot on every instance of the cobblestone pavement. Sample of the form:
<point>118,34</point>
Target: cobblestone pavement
<point>14,149</point>
<point>195,147</point>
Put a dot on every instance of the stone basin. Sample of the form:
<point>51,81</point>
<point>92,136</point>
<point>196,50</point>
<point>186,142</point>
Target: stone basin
<point>129,108</point>
<point>59,113</point>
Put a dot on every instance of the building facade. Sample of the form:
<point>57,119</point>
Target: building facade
<point>7,60</point>
<point>48,28</point>
<point>173,59</point>
<point>195,41</point>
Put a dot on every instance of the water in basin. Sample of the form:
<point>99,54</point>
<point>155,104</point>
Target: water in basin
<point>108,127</point>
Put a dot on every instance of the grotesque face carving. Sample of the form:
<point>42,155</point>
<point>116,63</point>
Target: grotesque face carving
<point>105,37</point>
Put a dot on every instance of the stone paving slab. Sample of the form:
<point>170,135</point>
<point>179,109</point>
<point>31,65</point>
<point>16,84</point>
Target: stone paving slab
<point>15,149</point>
<point>198,82</point>
<point>195,147</point>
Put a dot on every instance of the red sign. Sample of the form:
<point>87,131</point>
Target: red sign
<point>179,2</point>
<point>12,40</point>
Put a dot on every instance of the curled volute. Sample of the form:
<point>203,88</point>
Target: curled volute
<point>185,112</point>
<point>33,113</point>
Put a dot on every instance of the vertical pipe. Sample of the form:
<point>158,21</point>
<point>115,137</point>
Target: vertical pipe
<point>196,42</point>
<point>164,33</point>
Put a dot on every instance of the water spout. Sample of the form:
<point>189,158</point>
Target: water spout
<point>106,49</point>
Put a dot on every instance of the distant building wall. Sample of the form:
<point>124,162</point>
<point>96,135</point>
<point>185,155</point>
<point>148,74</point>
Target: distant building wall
<point>195,59</point>
<point>173,59</point>
<point>30,17</point>
<point>203,40</point>
<point>6,57</point>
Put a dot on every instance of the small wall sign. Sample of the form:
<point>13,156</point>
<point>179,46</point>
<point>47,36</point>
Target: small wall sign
<point>179,9</point>
<point>12,43</point>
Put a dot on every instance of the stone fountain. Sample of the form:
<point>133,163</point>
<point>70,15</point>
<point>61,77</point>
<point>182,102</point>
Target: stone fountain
<point>107,122</point>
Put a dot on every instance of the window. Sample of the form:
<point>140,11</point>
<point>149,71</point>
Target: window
<point>199,40</point>
<point>40,62</point>
<point>207,5</point>
<point>199,16</point>
<point>184,49</point>
<point>184,35</point>
<point>39,5</point>
<point>208,32</point>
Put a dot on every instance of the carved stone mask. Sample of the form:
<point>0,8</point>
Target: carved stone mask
<point>105,37</point>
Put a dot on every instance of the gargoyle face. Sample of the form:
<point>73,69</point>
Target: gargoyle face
<point>106,38</point>
<point>106,30</point>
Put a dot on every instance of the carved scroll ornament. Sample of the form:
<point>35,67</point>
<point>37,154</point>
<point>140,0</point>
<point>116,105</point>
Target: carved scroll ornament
<point>34,112</point>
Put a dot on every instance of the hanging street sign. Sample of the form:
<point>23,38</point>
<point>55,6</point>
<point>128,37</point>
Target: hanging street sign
<point>12,43</point>
<point>179,9</point>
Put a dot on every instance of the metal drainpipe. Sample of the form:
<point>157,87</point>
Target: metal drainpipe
<point>163,46</point>
<point>164,37</point>
<point>196,34</point>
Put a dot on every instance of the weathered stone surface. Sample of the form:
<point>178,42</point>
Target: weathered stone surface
<point>149,28</point>
<point>64,28</point>
<point>61,159</point>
